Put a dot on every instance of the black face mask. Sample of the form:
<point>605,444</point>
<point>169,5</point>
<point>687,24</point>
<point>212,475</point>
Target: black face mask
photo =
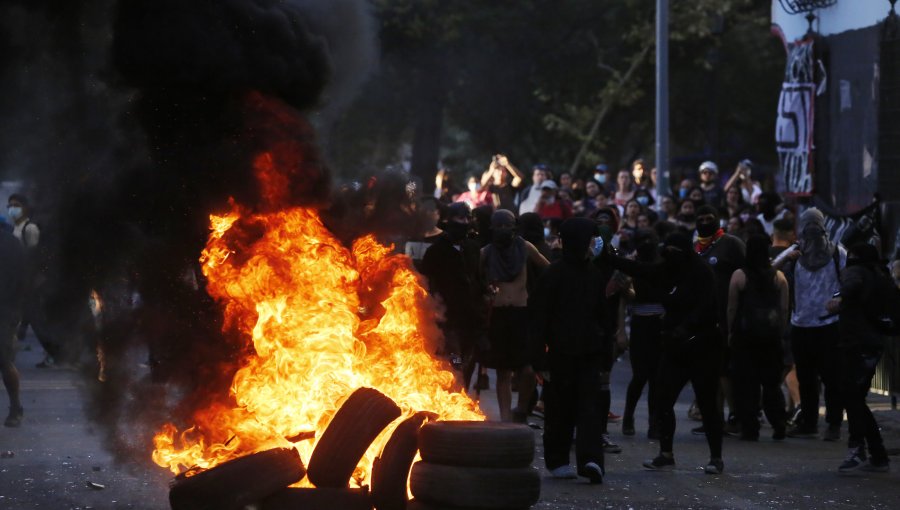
<point>503,237</point>
<point>456,231</point>
<point>707,229</point>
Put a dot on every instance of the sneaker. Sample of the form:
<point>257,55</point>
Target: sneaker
<point>715,467</point>
<point>660,463</point>
<point>613,417</point>
<point>694,412</point>
<point>628,426</point>
<point>855,458</point>
<point>15,417</point>
<point>802,433</point>
<point>593,472</point>
<point>609,446</point>
<point>698,431</point>
<point>566,472</point>
<point>876,466</point>
<point>793,416</point>
<point>47,362</point>
<point>832,434</point>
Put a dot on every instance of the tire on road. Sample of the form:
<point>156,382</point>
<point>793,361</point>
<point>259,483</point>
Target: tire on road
<point>471,487</point>
<point>390,472</point>
<point>355,425</point>
<point>477,444</point>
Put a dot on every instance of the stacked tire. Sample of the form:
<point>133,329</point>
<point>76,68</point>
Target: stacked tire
<point>474,465</point>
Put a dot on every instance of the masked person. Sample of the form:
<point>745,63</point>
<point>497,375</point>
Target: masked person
<point>570,314</point>
<point>511,350</point>
<point>767,205</point>
<point>451,266</point>
<point>691,346</point>
<point>815,276</point>
<point>865,286</point>
<point>646,328</point>
<point>724,253</point>
<point>758,307</point>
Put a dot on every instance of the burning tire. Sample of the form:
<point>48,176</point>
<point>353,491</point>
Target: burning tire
<point>477,443</point>
<point>390,471</point>
<point>318,499</point>
<point>471,487</point>
<point>357,423</point>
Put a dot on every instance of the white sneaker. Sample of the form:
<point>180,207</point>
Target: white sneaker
<point>564,473</point>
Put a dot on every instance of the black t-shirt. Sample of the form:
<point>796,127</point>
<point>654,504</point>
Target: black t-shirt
<point>507,195</point>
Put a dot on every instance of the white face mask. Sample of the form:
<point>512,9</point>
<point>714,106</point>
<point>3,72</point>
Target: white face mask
<point>597,246</point>
<point>15,212</point>
<point>474,187</point>
<point>546,232</point>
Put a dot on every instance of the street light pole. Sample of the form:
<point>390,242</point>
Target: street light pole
<point>662,98</point>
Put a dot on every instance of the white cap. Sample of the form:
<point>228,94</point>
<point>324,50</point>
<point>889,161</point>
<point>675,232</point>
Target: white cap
<point>709,165</point>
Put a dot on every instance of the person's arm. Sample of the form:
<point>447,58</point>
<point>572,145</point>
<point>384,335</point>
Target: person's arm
<point>784,294</point>
<point>31,235</point>
<point>738,280</point>
<point>488,175</point>
<point>734,177</point>
<point>628,266</point>
<point>517,175</point>
<point>534,256</point>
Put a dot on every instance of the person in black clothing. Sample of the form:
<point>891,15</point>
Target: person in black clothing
<point>569,311</point>
<point>863,282</point>
<point>724,253</point>
<point>451,266</point>
<point>646,327</point>
<point>758,307</point>
<point>691,343</point>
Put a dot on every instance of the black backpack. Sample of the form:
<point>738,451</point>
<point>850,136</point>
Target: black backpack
<point>884,304</point>
<point>759,317</point>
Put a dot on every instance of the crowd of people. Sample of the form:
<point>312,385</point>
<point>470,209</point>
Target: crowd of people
<point>718,282</point>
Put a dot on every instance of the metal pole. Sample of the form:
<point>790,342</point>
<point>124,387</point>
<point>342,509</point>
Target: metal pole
<point>662,98</point>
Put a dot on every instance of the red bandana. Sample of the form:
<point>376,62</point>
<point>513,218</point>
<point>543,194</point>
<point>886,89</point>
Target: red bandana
<point>703,243</point>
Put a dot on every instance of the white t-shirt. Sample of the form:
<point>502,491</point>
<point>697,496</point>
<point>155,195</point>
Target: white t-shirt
<point>28,233</point>
<point>770,225</point>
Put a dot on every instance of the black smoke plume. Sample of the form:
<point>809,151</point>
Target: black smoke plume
<point>169,104</point>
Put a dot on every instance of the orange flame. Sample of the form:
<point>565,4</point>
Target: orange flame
<point>323,321</point>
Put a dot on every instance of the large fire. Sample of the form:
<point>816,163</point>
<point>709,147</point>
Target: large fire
<point>324,320</point>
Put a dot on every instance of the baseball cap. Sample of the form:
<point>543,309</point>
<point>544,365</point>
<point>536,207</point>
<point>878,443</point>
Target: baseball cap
<point>709,165</point>
<point>601,168</point>
<point>549,184</point>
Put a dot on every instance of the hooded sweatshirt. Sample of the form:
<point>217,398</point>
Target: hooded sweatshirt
<point>816,274</point>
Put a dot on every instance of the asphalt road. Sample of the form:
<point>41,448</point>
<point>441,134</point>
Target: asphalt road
<point>58,462</point>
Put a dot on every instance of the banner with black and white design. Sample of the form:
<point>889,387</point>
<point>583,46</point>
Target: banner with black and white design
<point>794,125</point>
<point>849,229</point>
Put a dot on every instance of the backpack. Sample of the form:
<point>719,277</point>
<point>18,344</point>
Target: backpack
<point>884,304</point>
<point>759,317</point>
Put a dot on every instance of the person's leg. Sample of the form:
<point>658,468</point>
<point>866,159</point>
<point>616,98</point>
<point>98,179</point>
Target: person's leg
<point>830,375</point>
<point>772,397</point>
<point>589,416</point>
<point>672,378</point>
<point>504,394</point>
<point>793,387</point>
<point>10,375</point>
<point>559,422</point>
<point>746,391</point>
<point>704,378</point>
<point>639,356</point>
<point>806,359</point>
<point>526,382</point>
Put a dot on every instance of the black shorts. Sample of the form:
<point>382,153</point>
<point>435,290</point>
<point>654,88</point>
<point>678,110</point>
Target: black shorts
<point>510,348</point>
